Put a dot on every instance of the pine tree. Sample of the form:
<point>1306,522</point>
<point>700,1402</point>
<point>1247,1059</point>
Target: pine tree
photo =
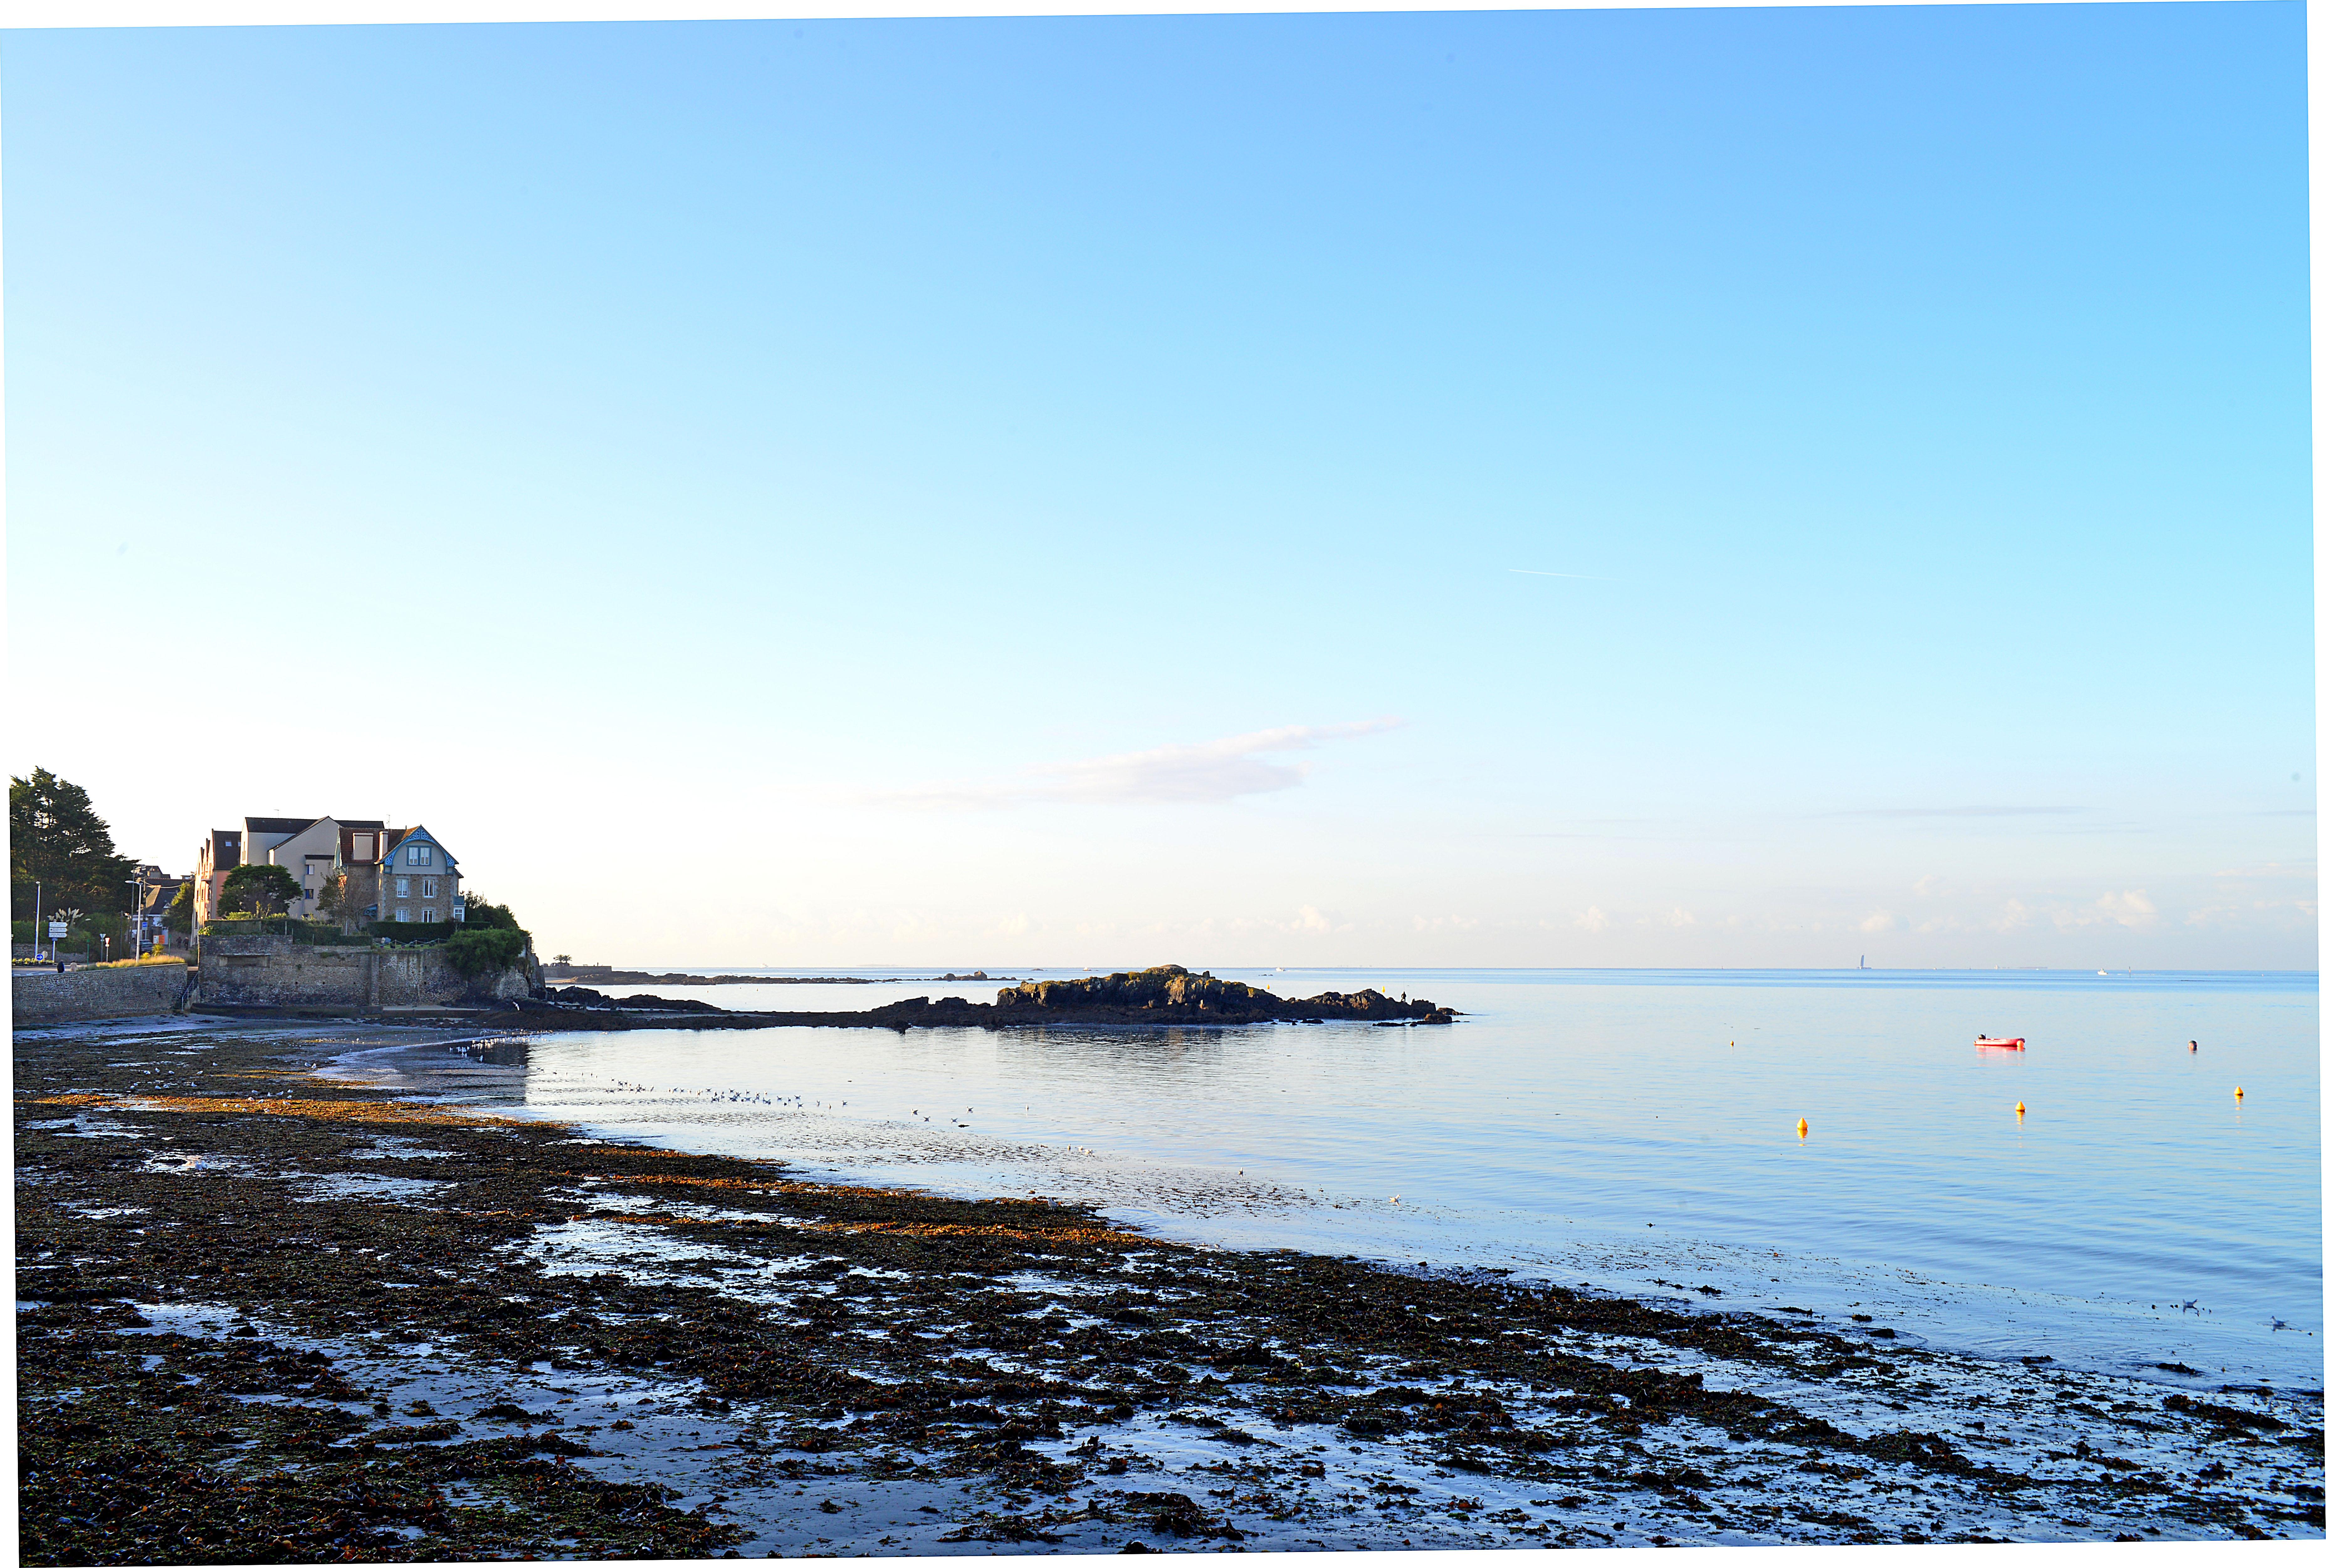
<point>57,839</point>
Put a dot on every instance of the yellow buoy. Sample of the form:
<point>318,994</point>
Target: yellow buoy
<point>1802,1127</point>
<point>2020,1108</point>
<point>2241,1091</point>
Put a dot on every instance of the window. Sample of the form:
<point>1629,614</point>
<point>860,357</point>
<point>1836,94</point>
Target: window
<point>402,914</point>
<point>359,845</point>
<point>428,887</point>
<point>419,855</point>
<point>403,888</point>
<point>428,914</point>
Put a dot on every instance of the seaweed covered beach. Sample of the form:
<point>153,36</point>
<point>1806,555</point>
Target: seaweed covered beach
<point>267,1315</point>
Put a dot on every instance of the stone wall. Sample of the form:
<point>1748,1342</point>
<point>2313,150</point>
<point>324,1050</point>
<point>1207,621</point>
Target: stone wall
<point>260,970</point>
<point>46,996</point>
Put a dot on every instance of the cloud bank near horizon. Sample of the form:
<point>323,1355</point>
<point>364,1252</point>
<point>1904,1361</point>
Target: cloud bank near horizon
<point>1205,772</point>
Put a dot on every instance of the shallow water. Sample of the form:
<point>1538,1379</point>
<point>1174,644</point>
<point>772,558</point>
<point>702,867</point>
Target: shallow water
<point>1634,1131</point>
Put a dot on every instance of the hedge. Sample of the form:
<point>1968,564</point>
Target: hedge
<point>414,931</point>
<point>301,932</point>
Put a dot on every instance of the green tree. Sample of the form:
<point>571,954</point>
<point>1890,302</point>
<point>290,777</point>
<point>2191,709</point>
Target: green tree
<point>258,889</point>
<point>57,839</point>
<point>336,902</point>
<point>485,915</point>
<point>180,916</point>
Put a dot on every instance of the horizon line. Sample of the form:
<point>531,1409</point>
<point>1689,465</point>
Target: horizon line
<point>1526,968</point>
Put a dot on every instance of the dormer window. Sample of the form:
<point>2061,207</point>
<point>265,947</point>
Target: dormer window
<point>419,855</point>
<point>359,845</point>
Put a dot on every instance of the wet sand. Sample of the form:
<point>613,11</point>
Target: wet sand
<point>269,1316</point>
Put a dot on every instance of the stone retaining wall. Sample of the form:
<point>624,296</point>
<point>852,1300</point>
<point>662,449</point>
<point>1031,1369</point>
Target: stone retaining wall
<point>46,996</point>
<point>270,971</point>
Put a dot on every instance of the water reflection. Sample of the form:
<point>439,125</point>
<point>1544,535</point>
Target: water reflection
<point>1609,1130</point>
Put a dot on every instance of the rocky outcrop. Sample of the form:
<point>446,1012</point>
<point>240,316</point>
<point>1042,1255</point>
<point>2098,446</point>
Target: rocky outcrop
<point>583,996</point>
<point>1173,995</point>
<point>601,975</point>
<point>1167,996</point>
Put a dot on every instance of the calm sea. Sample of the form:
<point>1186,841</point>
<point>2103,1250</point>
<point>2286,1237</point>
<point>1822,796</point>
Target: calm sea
<point>1629,1130</point>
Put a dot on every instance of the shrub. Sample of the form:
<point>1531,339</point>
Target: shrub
<point>138,963</point>
<point>408,932</point>
<point>475,953</point>
<point>81,938</point>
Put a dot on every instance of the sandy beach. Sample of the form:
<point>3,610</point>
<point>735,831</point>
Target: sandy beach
<point>270,1315</point>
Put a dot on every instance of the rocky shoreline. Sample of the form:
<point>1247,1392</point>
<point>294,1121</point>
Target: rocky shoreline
<point>272,1316</point>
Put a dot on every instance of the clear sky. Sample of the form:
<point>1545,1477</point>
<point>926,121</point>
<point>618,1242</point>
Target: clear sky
<point>1725,488</point>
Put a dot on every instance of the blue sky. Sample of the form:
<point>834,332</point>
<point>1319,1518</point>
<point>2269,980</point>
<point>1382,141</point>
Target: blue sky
<point>1724,487</point>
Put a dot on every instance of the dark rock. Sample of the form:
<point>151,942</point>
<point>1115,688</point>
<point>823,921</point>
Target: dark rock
<point>1172,993</point>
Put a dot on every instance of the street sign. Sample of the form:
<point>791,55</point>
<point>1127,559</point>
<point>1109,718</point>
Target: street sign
<point>56,928</point>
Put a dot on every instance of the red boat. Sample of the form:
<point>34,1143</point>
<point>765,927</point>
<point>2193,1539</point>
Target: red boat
<point>2016,1043</point>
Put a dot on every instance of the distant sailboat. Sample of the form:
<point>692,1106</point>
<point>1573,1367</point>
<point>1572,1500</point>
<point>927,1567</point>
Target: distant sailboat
<point>1861,960</point>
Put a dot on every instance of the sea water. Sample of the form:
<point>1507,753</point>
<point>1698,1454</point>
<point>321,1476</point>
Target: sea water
<point>1631,1131</point>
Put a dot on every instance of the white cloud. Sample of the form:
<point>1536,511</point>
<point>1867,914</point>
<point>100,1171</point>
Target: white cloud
<point>1428,922</point>
<point>1206,772</point>
<point>1880,920</point>
<point>1680,917</point>
<point>2132,908</point>
<point>1592,919</point>
<point>1311,918</point>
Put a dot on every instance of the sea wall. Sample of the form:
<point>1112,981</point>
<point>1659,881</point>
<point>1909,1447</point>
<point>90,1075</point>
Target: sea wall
<point>269,972</point>
<point>46,996</point>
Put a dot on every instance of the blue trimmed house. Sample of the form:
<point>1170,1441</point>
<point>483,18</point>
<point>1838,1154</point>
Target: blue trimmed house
<point>419,880</point>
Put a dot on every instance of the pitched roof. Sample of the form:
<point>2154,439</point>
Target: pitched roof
<point>397,836</point>
<point>296,825</point>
